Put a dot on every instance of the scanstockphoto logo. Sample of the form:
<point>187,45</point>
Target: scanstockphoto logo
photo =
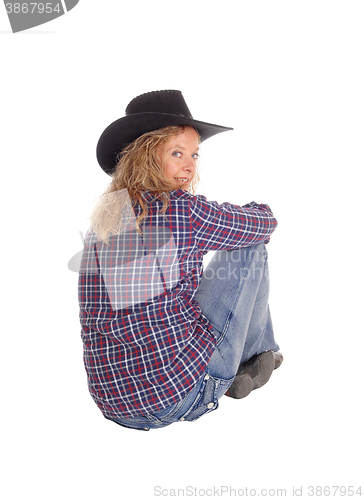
<point>25,15</point>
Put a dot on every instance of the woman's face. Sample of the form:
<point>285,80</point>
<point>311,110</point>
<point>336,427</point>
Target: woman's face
<point>179,157</point>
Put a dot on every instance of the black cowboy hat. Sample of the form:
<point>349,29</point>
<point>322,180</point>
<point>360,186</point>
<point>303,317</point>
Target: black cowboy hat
<point>147,112</point>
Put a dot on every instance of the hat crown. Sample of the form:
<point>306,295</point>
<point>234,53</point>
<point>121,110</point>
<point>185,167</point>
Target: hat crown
<point>161,101</point>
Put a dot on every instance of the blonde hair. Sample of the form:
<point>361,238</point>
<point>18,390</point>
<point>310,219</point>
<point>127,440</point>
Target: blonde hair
<point>138,169</point>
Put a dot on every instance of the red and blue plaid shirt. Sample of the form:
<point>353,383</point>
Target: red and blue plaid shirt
<point>145,340</point>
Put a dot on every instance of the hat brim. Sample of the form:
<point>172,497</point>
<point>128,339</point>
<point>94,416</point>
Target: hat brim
<point>128,128</point>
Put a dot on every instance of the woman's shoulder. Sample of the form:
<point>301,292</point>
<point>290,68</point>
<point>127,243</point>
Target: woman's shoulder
<point>178,194</point>
<point>181,194</point>
<point>176,197</point>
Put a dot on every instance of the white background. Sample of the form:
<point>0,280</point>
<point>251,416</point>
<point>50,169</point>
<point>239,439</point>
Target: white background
<point>288,76</point>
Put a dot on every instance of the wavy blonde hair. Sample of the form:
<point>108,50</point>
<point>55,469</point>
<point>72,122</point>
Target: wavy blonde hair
<point>138,169</point>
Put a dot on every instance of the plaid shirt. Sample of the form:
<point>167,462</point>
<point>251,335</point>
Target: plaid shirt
<point>145,340</point>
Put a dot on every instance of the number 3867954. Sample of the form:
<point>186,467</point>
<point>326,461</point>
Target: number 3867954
<point>32,8</point>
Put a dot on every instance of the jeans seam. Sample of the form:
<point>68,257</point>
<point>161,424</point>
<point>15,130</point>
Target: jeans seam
<point>231,312</point>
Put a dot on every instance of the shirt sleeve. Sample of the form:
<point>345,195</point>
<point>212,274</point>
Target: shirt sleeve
<point>226,226</point>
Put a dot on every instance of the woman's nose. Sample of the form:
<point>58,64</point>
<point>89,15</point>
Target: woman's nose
<point>189,165</point>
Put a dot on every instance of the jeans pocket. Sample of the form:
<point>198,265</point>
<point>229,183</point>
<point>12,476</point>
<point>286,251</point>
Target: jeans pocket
<point>212,389</point>
<point>165,416</point>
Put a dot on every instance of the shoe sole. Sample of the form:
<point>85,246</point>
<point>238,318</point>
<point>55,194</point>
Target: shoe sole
<point>253,375</point>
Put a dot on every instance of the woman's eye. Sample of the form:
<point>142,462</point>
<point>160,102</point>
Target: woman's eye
<point>178,154</point>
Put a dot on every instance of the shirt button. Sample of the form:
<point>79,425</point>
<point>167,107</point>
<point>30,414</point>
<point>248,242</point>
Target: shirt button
<point>182,419</point>
<point>210,405</point>
<point>207,377</point>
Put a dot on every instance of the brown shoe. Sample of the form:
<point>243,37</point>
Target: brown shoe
<point>254,373</point>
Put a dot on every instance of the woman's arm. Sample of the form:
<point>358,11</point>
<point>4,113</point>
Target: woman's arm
<point>227,226</point>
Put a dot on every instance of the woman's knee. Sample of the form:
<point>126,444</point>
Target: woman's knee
<point>257,253</point>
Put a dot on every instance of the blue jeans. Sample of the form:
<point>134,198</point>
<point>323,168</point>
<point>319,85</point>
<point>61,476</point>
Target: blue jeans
<point>233,295</point>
